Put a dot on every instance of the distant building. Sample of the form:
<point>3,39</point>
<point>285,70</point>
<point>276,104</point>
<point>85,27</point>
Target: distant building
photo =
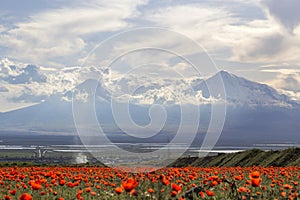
<point>39,153</point>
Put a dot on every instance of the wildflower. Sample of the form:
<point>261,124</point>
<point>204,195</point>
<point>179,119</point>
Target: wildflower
<point>129,185</point>
<point>13,192</point>
<point>119,190</point>
<point>176,187</point>
<point>210,193</point>
<point>25,196</point>
<point>151,190</point>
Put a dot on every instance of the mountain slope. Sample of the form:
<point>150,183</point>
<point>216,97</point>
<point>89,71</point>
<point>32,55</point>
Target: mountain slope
<point>55,114</point>
<point>255,157</point>
<point>51,115</point>
<point>240,91</point>
<point>248,117</point>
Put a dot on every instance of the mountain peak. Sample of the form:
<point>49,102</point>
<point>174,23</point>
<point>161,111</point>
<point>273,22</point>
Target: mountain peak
<point>226,75</point>
<point>224,72</point>
<point>90,88</point>
<point>241,91</point>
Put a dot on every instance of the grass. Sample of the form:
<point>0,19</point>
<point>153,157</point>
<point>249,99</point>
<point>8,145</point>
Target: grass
<point>254,157</point>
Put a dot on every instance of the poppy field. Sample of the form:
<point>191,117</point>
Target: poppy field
<point>76,182</point>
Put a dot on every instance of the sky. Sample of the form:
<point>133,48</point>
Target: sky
<point>256,39</point>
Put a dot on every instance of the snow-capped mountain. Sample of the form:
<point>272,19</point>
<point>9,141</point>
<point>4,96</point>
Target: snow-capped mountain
<point>27,83</point>
<point>240,91</point>
<point>222,87</point>
<point>88,89</point>
<point>35,84</point>
<point>250,105</point>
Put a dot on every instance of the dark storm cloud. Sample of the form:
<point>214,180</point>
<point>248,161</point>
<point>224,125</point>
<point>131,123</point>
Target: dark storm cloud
<point>285,11</point>
<point>268,45</point>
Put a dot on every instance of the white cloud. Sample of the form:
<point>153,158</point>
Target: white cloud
<point>273,39</point>
<point>2,28</point>
<point>59,33</point>
<point>274,46</point>
<point>284,71</point>
<point>197,21</point>
<point>21,85</point>
<point>230,30</point>
<point>232,33</point>
<point>151,46</point>
<point>140,89</point>
<point>290,82</point>
<point>287,81</point>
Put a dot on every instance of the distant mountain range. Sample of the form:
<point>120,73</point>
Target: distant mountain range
<point>254,110</point>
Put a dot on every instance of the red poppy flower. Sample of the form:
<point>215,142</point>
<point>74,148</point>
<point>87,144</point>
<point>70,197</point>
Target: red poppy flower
<point>25,196</point>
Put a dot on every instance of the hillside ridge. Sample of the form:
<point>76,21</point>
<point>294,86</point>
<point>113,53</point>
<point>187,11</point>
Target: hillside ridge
<point>254,157</point>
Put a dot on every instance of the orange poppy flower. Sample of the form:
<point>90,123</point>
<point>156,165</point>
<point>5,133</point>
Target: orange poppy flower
<point>6,197</point>
<point>36,186</point>
<point>255,174</point>
<point>133,192</point>
<point>287,186</point>
<point>242,189</point>
<point>87,190</point>
<point>165,181</point>
<point>210,193</point>
<point>201,194</point>
<point>214,183</point>
<point>176,187</point>
<point>62,182</point>
<point>25,196</point>
<point>13,192</point>
<point>173,193</point>
<point>119,190</point>
<point>151,190</point>
<point>129,185</point>
<point>256,182</point>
